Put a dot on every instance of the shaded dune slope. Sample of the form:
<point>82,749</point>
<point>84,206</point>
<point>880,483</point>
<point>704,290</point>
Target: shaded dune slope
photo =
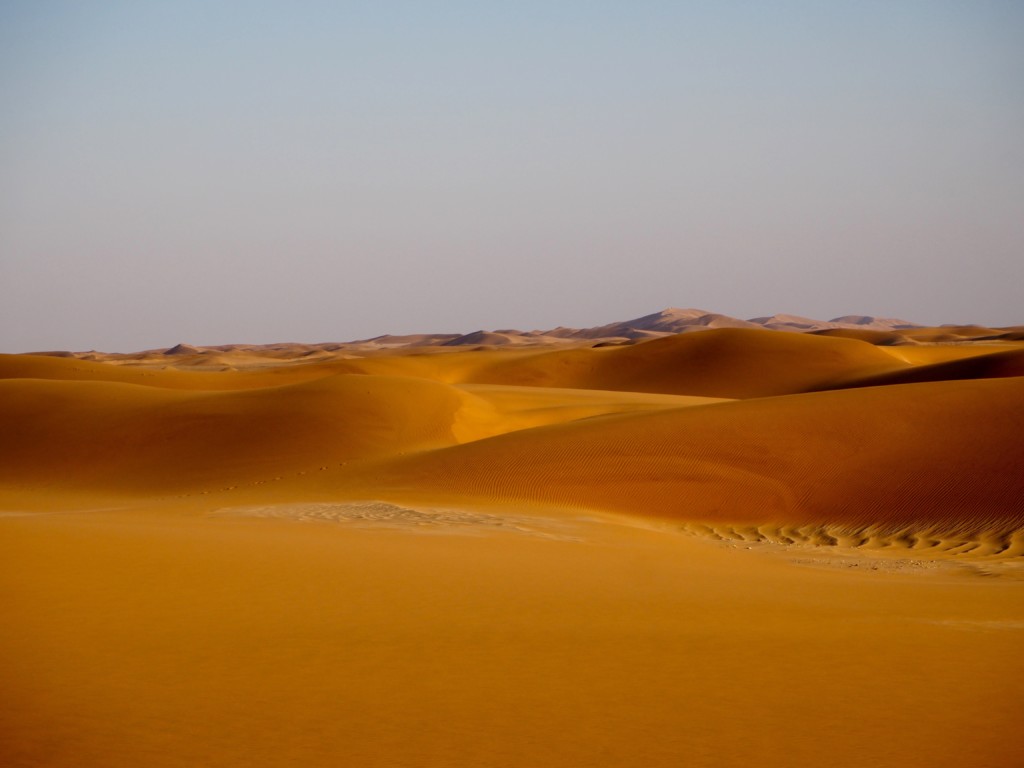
<point>870,335</point>
<point>64,369</point>
<point>138,439</point>
<point>1006,363</point>
<point>125,437</point>
<point>493,409</point>
<point>940,454</point>
<point>728,362</point>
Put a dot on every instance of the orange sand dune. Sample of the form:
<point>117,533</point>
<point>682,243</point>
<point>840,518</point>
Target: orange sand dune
<point>943,353</point>
<point>494,409</point>
<point>728,362</point>
<point>1005,363</point>
<point>938,455</point>
<point>130,438</point>
<point>667,553</point>
<point>797,459</point>
<point>164,375</point>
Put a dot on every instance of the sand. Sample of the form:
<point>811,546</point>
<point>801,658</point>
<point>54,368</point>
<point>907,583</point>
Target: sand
<point>723,548</point>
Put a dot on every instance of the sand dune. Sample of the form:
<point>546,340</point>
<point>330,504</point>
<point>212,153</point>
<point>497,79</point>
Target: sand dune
<point>131,438</point>
<point>1006,363</point>
<point>668,321</point>
<point>716,363</point>
<point>721,548</point>
<point>867,321</point>
<point>163,376</point>
<point>868,456</point>
<point>641,429</point>
<point>784,321</point>
<point>493,338</point>
<point>871,336</point>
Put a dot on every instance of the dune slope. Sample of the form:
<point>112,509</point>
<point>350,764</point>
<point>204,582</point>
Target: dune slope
<point>940,454</point>
<point>727,362</point>
<point>130,438</point>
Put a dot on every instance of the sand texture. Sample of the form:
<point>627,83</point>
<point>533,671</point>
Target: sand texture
<point>634,545</point>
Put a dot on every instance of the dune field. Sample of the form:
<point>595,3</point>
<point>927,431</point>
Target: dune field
<point>688,540</point>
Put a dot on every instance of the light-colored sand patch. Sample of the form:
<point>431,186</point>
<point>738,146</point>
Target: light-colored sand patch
<point>380,514</point>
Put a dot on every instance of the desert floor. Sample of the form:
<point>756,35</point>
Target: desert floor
<point>727,548</point>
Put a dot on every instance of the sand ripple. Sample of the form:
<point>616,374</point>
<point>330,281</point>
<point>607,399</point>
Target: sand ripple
<point>880,548</point>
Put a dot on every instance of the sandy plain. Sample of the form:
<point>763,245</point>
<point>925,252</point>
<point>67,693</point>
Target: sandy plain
<point>725,548</point>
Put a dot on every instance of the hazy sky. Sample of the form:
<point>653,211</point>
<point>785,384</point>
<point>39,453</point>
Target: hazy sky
<point>216,172</point>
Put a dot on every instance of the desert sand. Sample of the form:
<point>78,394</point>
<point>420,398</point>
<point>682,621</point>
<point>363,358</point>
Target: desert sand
<point>682,540</point>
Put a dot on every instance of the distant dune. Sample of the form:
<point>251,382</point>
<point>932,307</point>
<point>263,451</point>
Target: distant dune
<point>873,323</point>
<point>486,337</point>
<point>666,322</point>
<point>182,349</point>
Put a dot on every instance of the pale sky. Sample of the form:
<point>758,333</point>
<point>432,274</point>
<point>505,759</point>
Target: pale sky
<point>215,172</point>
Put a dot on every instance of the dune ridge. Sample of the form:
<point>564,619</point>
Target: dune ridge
<point>729,426</point>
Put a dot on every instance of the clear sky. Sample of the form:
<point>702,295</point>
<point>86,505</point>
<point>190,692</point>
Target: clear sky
<point>215,172</point>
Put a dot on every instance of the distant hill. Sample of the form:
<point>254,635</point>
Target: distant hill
<point>667,322</point>
<point>675,320</point>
